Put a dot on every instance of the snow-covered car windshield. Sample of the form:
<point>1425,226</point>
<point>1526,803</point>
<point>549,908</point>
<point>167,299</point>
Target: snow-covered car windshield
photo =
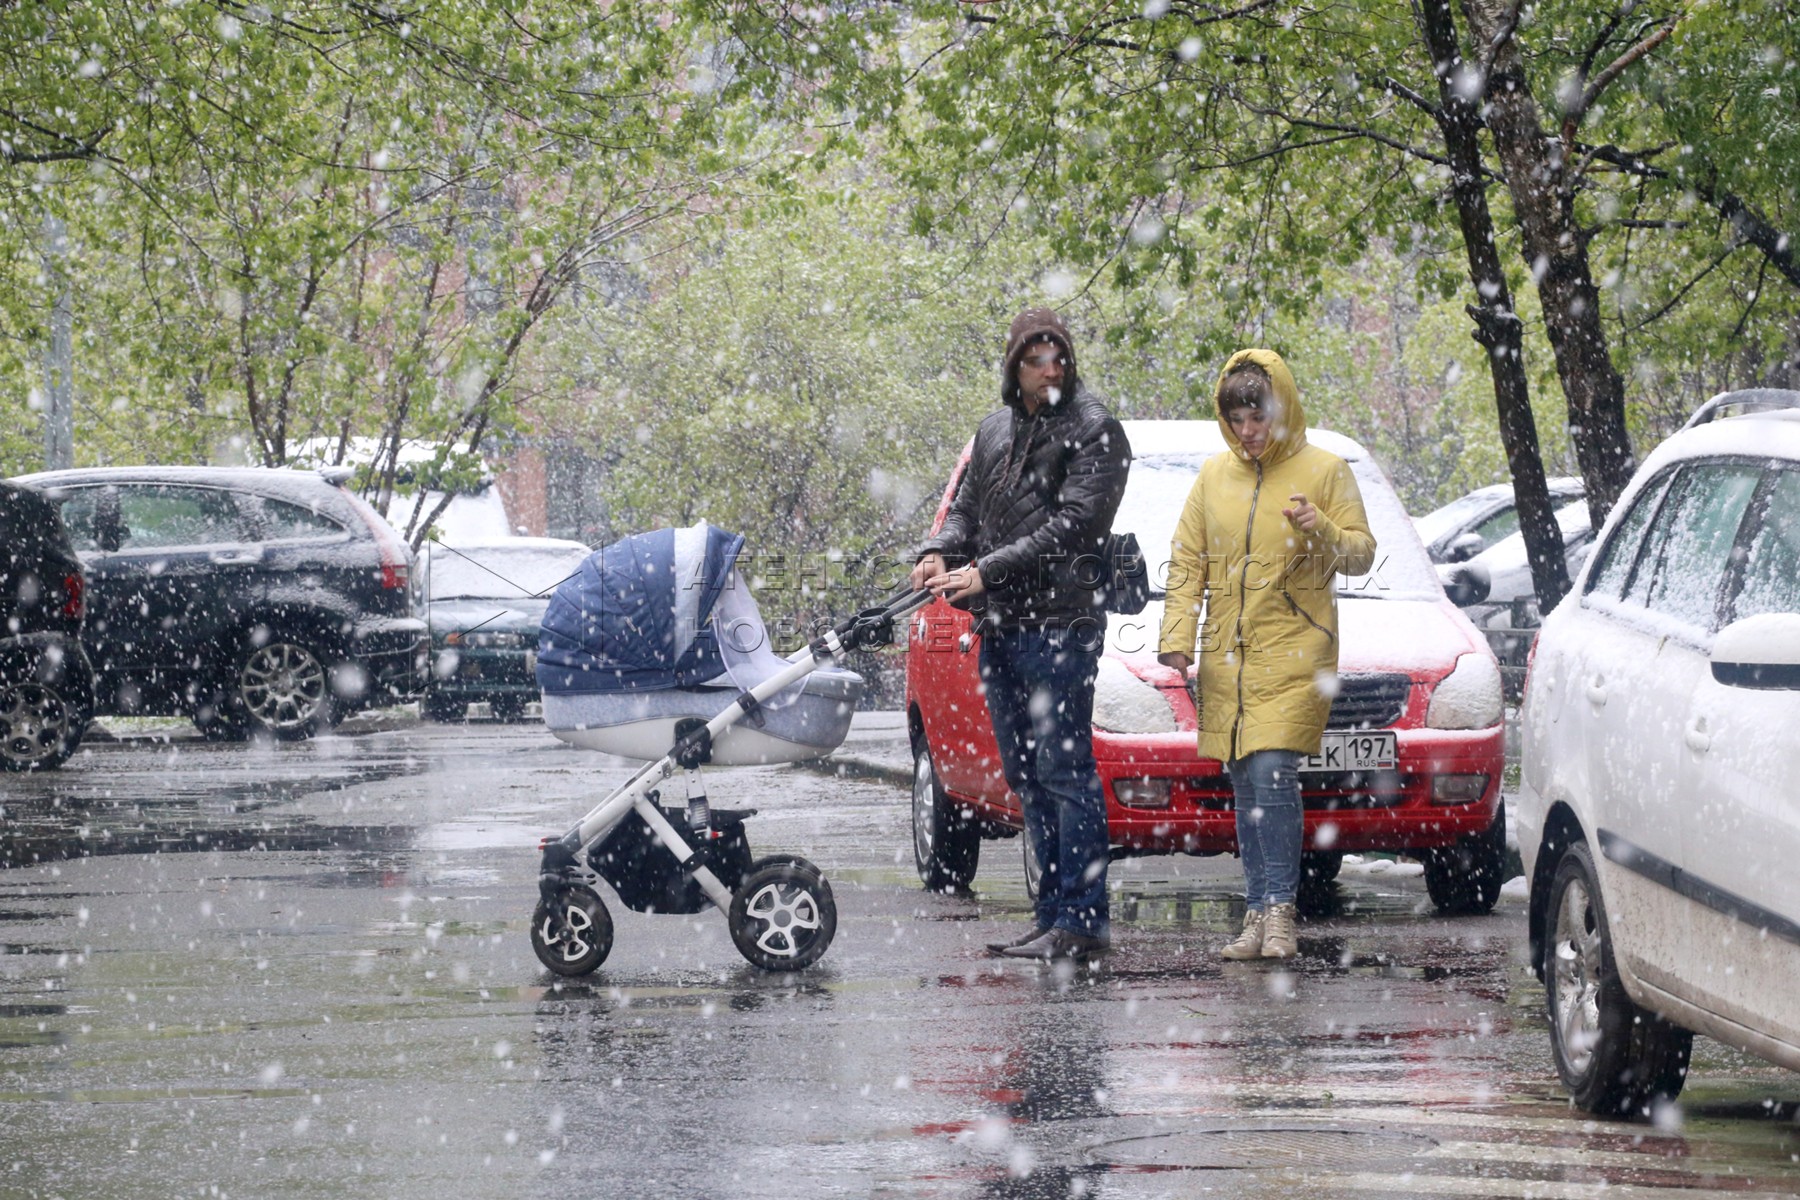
<point>1158,487</point>
<point>1439,521</point>
<point>497,572</point>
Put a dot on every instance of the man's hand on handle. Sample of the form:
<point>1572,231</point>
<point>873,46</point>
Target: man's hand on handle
<point>960,584</point>
<point>1175,659</point>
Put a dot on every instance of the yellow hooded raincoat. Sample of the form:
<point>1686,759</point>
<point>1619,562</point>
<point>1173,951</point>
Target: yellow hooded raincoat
<point>1268,645</point>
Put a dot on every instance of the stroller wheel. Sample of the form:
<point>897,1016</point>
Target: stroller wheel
<point>782,915</point>
<point>574,933</point>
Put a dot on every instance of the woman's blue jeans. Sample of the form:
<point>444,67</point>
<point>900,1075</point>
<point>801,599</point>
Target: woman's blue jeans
<point>1040,694</point>
<point>1270,825</point>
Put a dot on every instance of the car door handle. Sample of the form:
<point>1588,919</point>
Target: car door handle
<point>1596,690</point>
<point>230,558</point>
<point>1698,740</point>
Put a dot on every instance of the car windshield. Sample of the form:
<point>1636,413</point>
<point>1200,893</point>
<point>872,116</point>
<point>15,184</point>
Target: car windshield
<point>1439,521</point>
<point>1158,487</point>
<point>496,572</point>
<point>1572,519</point>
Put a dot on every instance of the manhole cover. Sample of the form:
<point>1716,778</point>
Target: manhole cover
<point>1269,1148</point>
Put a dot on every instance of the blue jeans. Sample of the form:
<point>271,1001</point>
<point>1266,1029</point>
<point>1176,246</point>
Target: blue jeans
<point>1040,695</point>
<point>1270,825</point>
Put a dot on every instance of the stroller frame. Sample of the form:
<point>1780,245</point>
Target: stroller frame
<point>780,913</point>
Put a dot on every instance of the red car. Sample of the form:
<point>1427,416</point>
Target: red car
<point>1412,754</point>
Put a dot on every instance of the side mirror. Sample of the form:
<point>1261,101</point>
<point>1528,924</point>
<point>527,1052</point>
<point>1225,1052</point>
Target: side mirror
<point>1464,546</point>
<point>1467,584</point>
<point>1759,652</point>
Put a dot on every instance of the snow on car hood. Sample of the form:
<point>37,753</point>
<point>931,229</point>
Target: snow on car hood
<point>1423,636</point>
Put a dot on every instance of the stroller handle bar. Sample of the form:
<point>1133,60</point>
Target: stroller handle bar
<point>872,628</point>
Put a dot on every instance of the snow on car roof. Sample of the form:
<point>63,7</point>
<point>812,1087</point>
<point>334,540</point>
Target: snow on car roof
<point>1754,435</point>
<point>1188,438</point>
<point>285,482</point>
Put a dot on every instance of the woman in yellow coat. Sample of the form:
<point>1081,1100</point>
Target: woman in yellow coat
<point>1268,527</point>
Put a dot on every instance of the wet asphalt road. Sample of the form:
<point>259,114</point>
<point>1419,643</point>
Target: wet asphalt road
<point>304,971</point>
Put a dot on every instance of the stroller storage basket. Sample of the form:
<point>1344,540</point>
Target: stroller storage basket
<point>648,877</point>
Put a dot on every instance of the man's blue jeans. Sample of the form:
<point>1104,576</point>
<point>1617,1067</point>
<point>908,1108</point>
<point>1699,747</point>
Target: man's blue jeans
<point>1040,694</point>
<point>1270,825</point>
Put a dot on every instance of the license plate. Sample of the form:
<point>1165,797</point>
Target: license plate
<point>1377,751</point>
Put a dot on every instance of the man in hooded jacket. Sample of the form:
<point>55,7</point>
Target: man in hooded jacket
<point>1028,529</point>
<point>1268,526</point>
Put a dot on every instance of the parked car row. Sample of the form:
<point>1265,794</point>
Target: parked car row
<point>251,601</point>
<point>1659,821</point>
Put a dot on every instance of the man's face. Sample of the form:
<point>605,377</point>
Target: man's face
<point>1041,372</point>
<point>1250,422</point>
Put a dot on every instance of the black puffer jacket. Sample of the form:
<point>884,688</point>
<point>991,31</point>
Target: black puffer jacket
<point>1035,507</point>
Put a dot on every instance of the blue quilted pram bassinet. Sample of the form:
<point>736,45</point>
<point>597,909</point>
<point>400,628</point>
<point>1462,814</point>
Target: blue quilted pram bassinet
<point>655,650</point>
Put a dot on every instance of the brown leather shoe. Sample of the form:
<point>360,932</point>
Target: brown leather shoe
<point>1060,944</point>
<point>1002,947</point>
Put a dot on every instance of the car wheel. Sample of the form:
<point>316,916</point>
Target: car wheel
<point>1465,877</point>
<point>284,689</point>
<point>439,707</point>
<point>946,837</point>
<point>39,726</point>
<point>1615,1058</point>
<point>1319,867</point>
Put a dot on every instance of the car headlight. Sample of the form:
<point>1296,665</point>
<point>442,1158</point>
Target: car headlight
<point>1469,697</point>
<point>1123,703</point>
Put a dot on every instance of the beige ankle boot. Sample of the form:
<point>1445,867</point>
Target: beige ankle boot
<point>1249,943</point>
<point>1278,932</point>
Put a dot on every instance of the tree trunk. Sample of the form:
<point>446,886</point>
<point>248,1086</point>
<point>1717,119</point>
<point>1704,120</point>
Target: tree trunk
<point>1537,176</point>
<point>1497,326</point>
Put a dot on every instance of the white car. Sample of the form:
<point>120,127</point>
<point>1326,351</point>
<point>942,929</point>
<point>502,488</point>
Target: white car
<point>1471,524</point>
<point>1659,808</point>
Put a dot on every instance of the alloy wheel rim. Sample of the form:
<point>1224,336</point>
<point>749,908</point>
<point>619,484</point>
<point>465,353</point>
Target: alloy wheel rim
<point>924,803</point>
<point>1575,958</point>
<point>283,685</point>
<point>782,911</point>
<point>34,722</point>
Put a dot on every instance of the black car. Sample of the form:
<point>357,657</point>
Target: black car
<point>250,599</point>
<point>485,602</point>
<point>46,684</point>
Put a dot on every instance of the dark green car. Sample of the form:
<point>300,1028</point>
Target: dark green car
<point>484,603</point>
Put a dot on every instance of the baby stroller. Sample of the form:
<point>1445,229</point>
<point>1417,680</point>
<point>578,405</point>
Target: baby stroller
<point>655,650</point>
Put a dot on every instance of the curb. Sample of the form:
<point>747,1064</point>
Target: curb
<point>850,766</point>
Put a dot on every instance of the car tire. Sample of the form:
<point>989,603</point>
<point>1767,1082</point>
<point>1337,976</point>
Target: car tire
<point>40,724</point>
<point>1320,867</point>
<point>282,688</point>
<point>1615,1058</point>
<point>946,835</point>
<point>1464,877</point>
<point>444,709</point>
